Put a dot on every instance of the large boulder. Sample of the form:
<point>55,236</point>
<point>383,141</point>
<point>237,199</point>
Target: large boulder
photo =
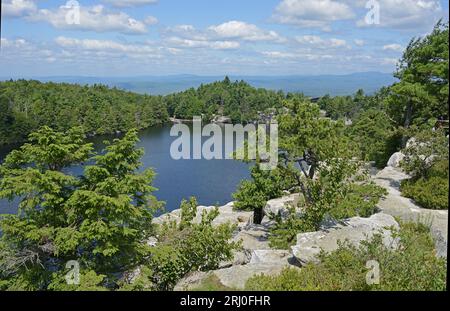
<point>253,237</point>
<point>270,256</point>
<point>353,230</point>
<point>234,277</point>
<point>281,205</point>
<point>395,159</point>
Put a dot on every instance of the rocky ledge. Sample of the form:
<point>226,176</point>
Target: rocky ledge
<point>256,257</point>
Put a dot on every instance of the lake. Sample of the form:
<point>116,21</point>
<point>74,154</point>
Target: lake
<point>211,181</point>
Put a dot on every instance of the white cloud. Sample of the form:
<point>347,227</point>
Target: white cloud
<point>129,3</point>
<point>15,43</point>
<point>359,42</point>
<point>312,13</point>
<point>407,14</point>
<point>188,43</point>
<point>393,47</point>
<point>244,31</point>
<point>94,18</point>
<point>151,20</point>
<point>105,45</point>
<point>17,8</point>
<point>389,61</point>
<point>318,42</point>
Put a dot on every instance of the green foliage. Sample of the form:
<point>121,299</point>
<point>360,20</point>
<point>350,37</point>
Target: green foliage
<point>332,185</point>
<point>411,267</point>
<point>358,199</point>
<point>99,219</point>
<point>375,135</point>
<point>427,148</point>
<point>252,195</point>
<point>190,246</point>
<point>422,92</point>
<point>431,192</point>
<point>25,106</point>
<point>238,100</point>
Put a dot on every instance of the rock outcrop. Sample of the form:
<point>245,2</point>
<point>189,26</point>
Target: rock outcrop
<point>281,205</point>
<point>353,230</point>
<point>395,159</point>
<point>398,206</point>
<point>226,214</point>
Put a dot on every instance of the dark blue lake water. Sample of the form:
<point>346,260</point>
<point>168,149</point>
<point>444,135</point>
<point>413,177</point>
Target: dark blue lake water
<point>211,181</point>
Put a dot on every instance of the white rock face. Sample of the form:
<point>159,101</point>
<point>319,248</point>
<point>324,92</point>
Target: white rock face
<point>281,205</point>
<point>271,256</point>
<point>395,159</point>
<point>253,237</point>
<point>398,206</point>
<point>353,230</point>
<point>234,277</point>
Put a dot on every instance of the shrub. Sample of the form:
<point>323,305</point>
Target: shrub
<point>413,266</point>
<point>359,200</point>
<point>429,193</point>
<point>252,195</point>
<point>190,246</point>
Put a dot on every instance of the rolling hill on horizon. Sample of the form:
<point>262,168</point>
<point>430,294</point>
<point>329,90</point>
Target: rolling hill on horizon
<point>314,85</point>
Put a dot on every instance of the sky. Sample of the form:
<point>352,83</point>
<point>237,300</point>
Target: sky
<point>118,38</point>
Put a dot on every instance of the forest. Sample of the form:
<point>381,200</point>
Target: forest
<point>27,105</point>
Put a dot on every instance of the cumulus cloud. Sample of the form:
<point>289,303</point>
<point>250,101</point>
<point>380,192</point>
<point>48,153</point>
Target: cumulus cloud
<point>189,43</point>
<point>102,45</point>
<point>151,20</point>
<point>129,3</point>
<point>94,18</point>
<point>393,47</point>
<point>312,13</point>
<point>17,8</point>
<point>318,42</point>
<point>244,31</point>
<point>224,36</point>
<point>407,14</point>
<point>359,42</point>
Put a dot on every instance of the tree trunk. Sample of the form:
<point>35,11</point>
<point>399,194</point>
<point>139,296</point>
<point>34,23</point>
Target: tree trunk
<point>258,216</point>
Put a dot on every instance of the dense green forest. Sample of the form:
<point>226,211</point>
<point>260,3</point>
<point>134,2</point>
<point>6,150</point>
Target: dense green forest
<point>27,105</point>
<point>238,100</point>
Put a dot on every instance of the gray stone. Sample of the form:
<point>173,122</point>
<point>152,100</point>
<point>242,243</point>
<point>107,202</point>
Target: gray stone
<point>236,276</point>
<point>354,230</point>
<point>253,237</point>
<point>281,205</point>
<point>395,159</point>
<point>270,256</point>
<point>227,214</point>
<point>404,208</point>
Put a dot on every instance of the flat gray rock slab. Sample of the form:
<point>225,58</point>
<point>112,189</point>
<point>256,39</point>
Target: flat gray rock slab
<point>353,230</point>
<point>396,205</point>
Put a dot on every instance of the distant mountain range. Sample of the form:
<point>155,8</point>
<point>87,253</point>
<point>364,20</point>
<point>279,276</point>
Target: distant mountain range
<point>310,85</point>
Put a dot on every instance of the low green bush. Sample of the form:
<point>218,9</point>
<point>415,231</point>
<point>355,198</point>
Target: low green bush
<point>359,200</point>
<point>413,266</point>
<point>431,191</point>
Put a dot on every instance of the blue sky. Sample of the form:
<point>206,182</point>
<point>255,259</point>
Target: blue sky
<point>208,37</point>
